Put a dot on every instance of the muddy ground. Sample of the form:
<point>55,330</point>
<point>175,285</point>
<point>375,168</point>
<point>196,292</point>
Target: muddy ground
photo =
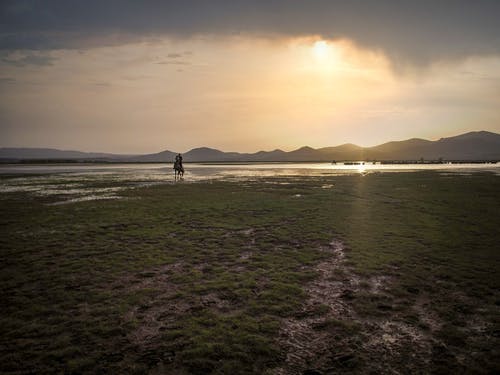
<point>378,273</point>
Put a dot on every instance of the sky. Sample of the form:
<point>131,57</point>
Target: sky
<point>146,76</point>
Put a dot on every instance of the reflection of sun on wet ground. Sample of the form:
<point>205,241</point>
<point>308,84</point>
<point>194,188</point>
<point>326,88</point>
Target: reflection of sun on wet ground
<point>94,182</point>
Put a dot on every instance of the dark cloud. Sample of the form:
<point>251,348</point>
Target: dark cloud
<point>7,80</point>
<point>30,59</point>
<point>416,31</point>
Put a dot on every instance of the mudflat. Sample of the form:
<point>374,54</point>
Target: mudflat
<point>382,273</point>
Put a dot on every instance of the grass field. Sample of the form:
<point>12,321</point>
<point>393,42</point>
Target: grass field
<point>392,273</point>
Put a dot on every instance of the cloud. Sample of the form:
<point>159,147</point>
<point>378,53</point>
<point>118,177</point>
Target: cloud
<point>173,62</point>
<point>173,59</point>
<point>30,59</point>
<point>7,80</point>
<point>408,31</point>
<point>102,84</point>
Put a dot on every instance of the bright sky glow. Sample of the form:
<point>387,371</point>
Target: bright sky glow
<point>322,50</point>
<point>237,94</point>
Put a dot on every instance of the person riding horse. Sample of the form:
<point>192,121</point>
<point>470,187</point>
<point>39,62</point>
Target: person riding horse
<point>178,168</point>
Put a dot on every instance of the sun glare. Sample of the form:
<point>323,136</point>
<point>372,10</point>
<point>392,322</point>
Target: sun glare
<point>326,56</point>
<point>322,50</point>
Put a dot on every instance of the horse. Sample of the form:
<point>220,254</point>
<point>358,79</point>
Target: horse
<point>178,170</point>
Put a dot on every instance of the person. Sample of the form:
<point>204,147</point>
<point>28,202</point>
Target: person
<point>178,164</point>
<point>179,156</point>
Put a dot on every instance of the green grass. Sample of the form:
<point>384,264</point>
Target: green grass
<point>172,279</point>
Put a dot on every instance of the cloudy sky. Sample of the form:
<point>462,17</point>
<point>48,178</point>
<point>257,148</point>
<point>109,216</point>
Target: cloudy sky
<point>145,76</point>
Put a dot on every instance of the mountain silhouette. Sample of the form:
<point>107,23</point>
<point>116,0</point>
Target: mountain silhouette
<point>480,145</point>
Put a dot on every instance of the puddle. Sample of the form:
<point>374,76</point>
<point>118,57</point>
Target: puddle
<point>86,198</point>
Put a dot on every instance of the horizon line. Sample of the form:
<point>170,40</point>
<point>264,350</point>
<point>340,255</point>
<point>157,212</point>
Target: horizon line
<point>242,152</point>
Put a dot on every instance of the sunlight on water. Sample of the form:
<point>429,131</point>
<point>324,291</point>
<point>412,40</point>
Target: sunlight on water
<point>85,182</point>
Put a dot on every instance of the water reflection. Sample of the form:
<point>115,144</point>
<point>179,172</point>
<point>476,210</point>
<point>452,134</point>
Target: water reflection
<point>230,169</point>
<point>82,182</point>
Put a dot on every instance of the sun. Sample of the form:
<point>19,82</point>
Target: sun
<point>326,56</point>
<point>322,50</point>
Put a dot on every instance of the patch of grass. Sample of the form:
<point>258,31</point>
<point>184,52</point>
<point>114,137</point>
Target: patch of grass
<point>175,281</point>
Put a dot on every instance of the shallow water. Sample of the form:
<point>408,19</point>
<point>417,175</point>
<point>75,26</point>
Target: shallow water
<point>84,182</point>
<point>210,170</point>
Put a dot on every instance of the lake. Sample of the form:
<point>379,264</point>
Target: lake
<point>223,170</point>
<point>81,182</point>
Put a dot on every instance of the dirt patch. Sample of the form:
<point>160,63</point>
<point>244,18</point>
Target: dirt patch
<point>152,317</point>
<point>329,335</point>
<point>168,303</point>
<point>396,347</point>
<point>250,235</point>
<point>166,306</point>
<point>426,315</point>
<point>306,346</point>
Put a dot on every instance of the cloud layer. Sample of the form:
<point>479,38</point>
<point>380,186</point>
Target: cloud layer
<point>416,32</point>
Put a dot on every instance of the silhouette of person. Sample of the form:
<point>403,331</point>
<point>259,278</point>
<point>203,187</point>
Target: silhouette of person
<point>178,163</point>
<point>179,156</point>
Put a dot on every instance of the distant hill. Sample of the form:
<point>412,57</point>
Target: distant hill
<point>480,145</point>
<point>160,156</point>
<point>346,151</point>
<point>210,154</point>
<point>14,154</point>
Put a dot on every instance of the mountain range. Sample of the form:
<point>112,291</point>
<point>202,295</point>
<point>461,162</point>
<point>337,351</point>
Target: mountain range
<point>480,145</point>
